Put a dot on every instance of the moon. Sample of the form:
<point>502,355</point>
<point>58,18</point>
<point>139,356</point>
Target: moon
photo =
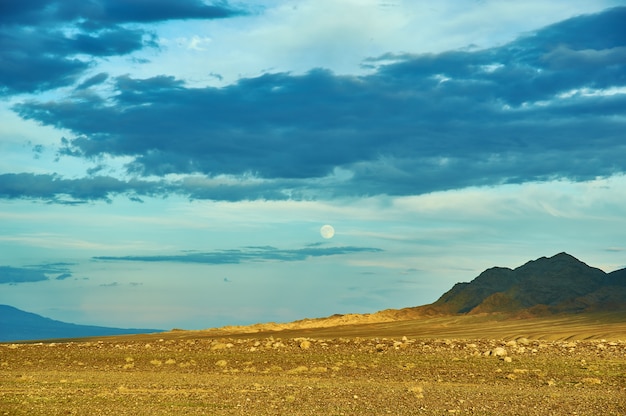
<point>327,231</point>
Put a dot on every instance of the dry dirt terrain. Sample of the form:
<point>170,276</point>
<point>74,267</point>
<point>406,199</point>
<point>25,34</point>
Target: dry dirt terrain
<point>548,366</point>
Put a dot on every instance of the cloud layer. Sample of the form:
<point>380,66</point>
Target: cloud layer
<point>247,254</point>
<point>546,106</point>
<point>50,43</point>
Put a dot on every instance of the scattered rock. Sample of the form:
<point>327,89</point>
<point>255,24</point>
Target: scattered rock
<point>221,346</point>
<point>591,380</point>
<point>499,352</point>
<point>418,391</point>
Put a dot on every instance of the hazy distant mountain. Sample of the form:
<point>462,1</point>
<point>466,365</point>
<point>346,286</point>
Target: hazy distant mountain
<point>560,283</point>
<point>544,286</point>
<point>17,325</point>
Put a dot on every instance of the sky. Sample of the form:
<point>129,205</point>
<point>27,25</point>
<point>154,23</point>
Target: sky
<point>170,164</point>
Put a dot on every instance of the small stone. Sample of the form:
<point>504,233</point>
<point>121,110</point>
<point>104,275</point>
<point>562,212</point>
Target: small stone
<point>219,346</point>
<point>499,352</point>
<point>591,380</point>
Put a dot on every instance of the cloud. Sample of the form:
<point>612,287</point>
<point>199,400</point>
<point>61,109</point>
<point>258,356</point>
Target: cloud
<point>53,188</point>
<point>63,276</point>
<point>97,13</point>
<point>95,80</point>
<point>247,254</point>
<point>43,39</point>
<point>15,275</point>
<point>615,249</point>
<point>546,106</point>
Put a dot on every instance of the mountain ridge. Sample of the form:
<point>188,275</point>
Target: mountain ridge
<point>541,287</point>
<point>556,284</point>
<point>19,325</point>
<point>496,290</point>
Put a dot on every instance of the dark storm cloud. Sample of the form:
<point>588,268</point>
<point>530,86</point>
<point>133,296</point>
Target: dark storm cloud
<point>247,254</point>
<point>41,39</point>
<point>546,106</point>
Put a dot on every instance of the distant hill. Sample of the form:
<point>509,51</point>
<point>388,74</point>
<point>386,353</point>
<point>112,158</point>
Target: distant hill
<point>556,284</point>
<point>18,325</point>
<point>546,286</point>
<point>542,287</point>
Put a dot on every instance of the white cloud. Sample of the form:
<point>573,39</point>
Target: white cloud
<point>299,35</point>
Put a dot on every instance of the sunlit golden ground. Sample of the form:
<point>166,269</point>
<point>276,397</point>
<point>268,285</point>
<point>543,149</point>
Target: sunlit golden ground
<point>329,371</point>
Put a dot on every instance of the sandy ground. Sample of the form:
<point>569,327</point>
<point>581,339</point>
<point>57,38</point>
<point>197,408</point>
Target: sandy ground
<point>270,375</point>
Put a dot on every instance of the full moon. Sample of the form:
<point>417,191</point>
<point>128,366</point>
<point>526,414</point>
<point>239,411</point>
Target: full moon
<point>327,231</point>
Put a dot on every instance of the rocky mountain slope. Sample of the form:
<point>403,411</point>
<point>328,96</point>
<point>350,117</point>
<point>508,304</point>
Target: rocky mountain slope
<point>556,284</point>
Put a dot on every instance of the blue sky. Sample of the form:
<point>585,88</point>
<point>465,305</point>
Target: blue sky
<point>170,163</point>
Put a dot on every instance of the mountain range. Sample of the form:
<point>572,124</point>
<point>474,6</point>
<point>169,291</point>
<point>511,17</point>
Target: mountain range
<point>546,286</point>
<point>18,325</point>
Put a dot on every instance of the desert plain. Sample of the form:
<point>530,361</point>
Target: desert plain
<point>465,365</point>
